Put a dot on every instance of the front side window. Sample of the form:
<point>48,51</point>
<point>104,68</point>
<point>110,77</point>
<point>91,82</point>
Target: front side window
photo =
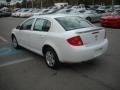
<point>27,24</point>
<point>41,25</point>
<point>73,22</point>
<point>25,10</point>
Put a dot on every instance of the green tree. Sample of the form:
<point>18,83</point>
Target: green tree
<point>47,3</point>
<point>117,2</point>
<point>24,3</point>
<point>8,1</point>
<point>18,5</point>
<point>2,5</point>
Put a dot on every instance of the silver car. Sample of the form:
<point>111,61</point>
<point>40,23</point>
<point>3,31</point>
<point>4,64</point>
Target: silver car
<point>90,15</point>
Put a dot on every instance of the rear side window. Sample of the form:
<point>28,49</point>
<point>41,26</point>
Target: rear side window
<point>73,22</point>
<point>27,24</point>
<point>42,25</point>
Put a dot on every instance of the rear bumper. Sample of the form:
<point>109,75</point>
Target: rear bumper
<point>83,53</point>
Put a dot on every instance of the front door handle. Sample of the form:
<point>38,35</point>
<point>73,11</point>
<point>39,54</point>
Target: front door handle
<point>42,36</point>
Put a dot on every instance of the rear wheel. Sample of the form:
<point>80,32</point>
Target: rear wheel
<point>51,58</point>
<point>89,19</point>
<point>15,43</point>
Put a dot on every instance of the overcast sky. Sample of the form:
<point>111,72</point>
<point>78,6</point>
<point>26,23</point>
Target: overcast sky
<point>11,0</point>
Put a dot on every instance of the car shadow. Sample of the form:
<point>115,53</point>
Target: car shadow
<point>82,66</point>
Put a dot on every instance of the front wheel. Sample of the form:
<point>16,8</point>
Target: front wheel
<point>15,43</point>
<point>51,58</point>
<point>89,19</point>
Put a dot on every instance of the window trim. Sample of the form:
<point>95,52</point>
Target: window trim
<point>43,25</point>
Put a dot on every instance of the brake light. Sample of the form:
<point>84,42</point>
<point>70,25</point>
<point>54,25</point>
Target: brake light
<point>75,41</point>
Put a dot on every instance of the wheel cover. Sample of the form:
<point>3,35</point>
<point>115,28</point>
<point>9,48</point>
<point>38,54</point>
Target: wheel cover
<point>50,59</point>
<point>14,42</point>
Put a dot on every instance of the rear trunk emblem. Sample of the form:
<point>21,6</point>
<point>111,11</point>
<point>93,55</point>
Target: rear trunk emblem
<point>96,37</point>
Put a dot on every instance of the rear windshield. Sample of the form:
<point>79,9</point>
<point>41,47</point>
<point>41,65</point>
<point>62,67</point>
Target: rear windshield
<point>73,22</point>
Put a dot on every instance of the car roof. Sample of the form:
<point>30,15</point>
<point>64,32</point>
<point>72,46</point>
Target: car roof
<point>52,16</point>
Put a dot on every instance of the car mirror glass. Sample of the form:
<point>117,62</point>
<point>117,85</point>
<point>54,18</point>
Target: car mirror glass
<point>18,27</point>
<point>21,27</point>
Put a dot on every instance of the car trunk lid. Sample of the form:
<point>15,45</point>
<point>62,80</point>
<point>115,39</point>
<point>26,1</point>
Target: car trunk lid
<point>91,36</point>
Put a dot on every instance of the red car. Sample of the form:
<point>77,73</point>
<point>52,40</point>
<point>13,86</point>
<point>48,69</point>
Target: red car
<point>111,21</point>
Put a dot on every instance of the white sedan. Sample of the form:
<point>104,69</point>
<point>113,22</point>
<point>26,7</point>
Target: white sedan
<point>61,38</point>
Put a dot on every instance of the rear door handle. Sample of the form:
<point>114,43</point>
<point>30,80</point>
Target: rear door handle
<point>42,35</point>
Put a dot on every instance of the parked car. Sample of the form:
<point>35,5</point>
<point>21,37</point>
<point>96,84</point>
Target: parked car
<point>15,10</point>
<point>26,13</point>
<point>14,14</point>
<point>5,13</point>
<point>104,7</point>
<point>112,20</point>
<point>61,38</point>
<point>29,13</point>
<point>41,12</point>
<point>63,11</point>
<point>1,13</point>
<point>35,11</point>
<point>80,7</point>
<point>89,15</point>
<point>51,11</point>
<point>19,12</point>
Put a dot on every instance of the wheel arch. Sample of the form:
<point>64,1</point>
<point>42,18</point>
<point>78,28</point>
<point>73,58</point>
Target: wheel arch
<point>53,47</point>
<point>12,35</point>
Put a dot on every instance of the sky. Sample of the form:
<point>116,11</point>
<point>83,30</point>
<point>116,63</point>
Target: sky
<point>12,1</point>
<point>5,0</point>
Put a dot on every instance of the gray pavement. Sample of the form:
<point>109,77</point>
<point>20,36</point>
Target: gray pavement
<point>25,70</point>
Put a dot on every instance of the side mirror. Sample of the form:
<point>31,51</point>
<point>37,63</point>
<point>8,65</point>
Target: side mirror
<point>18,27</point>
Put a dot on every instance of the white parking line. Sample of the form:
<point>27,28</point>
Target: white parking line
<point>3,39</point>
<point>16,61</point>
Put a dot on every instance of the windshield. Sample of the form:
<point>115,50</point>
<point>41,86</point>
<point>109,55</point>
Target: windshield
<point>63,11</point>
<point>26,10</point>
<point>73,22</point>
<point>89,12</point>
<point>19,10</point>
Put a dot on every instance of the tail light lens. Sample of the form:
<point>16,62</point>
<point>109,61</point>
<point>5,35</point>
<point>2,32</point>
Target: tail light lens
<point>75,41</point>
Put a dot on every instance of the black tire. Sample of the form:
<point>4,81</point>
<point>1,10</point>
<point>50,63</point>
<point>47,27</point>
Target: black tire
<point>15,42</point>
<point>89,19</point>
<point>51,58</point>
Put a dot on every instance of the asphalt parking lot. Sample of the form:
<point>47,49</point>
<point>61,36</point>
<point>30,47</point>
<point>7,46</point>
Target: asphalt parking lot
<point>23,70</point>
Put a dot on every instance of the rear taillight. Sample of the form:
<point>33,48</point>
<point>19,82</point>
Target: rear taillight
<point>75,41</point>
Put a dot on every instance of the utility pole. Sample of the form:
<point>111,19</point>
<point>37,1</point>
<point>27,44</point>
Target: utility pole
<point>32,4</point>
<point>26,3</point>
<point>93,2</point>
<point>41,4</point>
